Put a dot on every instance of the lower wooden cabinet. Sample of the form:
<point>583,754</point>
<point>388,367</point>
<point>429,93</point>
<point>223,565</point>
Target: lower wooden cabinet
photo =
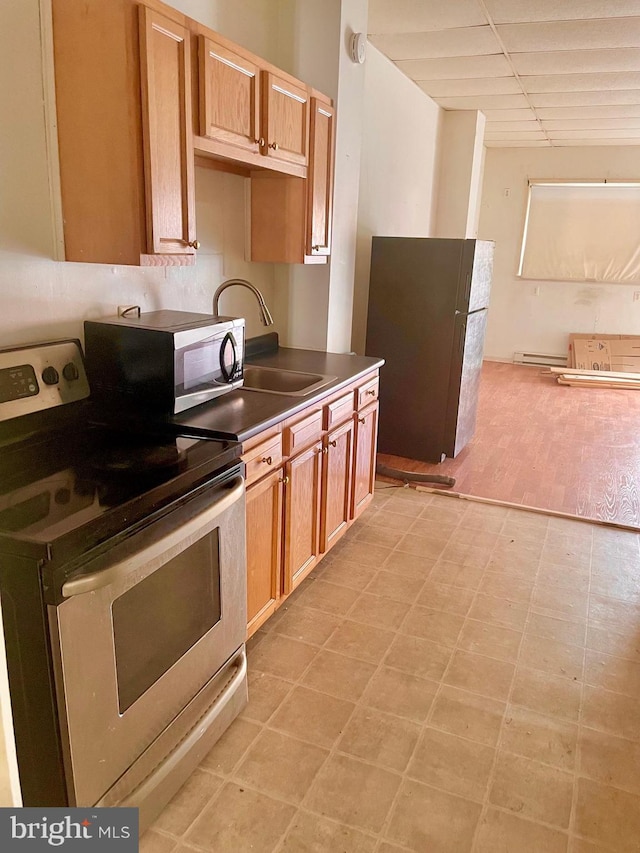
<point>305,486</point>
<point>336,483</point>
<point>264,548</point>
<point>364,461</point>
<point>302,515</point>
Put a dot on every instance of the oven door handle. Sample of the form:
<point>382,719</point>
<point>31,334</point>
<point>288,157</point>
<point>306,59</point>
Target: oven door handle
<point>185,533</point>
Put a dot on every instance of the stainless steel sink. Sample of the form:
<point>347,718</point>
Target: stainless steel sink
<point>291,383</point>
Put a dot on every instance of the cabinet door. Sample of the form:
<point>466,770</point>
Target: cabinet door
<point>167,133</point>
<point>264,548</point>
<point>285,120</point>
<point>302,516</point>
<point>336,483</point>
<point>364,459</point>
<point>229,96</point>
<point>320,190</point>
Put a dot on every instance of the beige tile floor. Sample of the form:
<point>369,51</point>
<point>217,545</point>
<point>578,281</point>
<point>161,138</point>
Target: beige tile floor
<point>454,677</point>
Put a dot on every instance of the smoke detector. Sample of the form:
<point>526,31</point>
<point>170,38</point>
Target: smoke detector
<point>358,47</point>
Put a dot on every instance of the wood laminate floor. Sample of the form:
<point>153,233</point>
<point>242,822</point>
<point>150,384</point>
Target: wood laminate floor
<point>539,444</point>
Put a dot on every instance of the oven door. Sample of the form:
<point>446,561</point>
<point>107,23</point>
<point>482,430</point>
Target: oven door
<point>140,633</point>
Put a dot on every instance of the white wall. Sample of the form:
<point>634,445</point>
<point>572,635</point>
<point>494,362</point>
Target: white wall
<point>537,316</point>
<point>460,173</point>
<point>398,170</point>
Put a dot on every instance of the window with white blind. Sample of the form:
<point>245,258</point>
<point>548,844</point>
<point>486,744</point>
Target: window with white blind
<point>582,232</point>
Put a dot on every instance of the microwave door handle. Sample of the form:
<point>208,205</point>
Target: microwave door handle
<point>184,533</point>
<point>226,375</point>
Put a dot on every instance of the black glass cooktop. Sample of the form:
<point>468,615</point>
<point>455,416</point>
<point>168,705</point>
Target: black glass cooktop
<point>98,481</point>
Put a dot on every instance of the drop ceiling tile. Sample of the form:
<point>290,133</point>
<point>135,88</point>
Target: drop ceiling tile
<point>571,35</point>
<point>405,16</point>
<point>523,11</point>
<point>456,68</point>
<point>509,115</point>
<point>577,61</point>
<point>572,143</point>
<point>581,82</point>
<point>595,134</point>
<point>591,112</point>
<point>592,124</point>
<point>499,126</point>
<point>484,102</point>
<point>577,99</point>
<point>472,86</point>
<point>516,135</point>
<point>515,143</point>
<point>465,41</point>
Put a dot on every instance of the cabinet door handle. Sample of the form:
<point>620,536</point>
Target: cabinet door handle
<point>274,145</point>
<point>260,142</point>
<point>267,459</point>
<point>315,248</point>
<point>193,244</point>
<point>333,443</point>
<point>361,420</point>
<point>324,450</point>
<point>284,480</point>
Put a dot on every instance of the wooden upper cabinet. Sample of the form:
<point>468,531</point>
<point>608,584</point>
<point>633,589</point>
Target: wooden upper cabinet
<point>167,132</point>
<point>285,119</point>
<point>291,217</point>
<point>122,77</point>
<point>320,189</point>
<point>229,91</point>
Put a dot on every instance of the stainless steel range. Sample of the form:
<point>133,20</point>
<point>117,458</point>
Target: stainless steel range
<point>123,589</point>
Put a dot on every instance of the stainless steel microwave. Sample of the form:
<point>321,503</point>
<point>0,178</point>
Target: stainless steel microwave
<point>165,361</point>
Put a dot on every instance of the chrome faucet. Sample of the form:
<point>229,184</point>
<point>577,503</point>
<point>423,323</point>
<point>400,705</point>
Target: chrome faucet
<point>265,314</point>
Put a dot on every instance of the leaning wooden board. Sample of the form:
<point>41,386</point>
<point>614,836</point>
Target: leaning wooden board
<point>577,381</point>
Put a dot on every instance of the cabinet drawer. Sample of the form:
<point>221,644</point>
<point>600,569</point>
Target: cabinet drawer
<point>338,411</point>
<point>303,433</point>
<point>367,393</point>
<point>263,458</point>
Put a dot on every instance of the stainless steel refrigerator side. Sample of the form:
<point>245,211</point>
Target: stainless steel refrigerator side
<point>466,368</point>
<point>468,345</point>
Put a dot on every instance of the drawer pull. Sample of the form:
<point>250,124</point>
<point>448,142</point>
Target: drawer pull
<point>284,480</point>
<point>267,459</point>
<point>361,420</point>
<point>371,392</point>
<point>333,443</point>
<point>274,145</point>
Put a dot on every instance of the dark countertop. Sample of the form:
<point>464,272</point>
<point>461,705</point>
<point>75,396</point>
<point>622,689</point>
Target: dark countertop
<point>242,413</point>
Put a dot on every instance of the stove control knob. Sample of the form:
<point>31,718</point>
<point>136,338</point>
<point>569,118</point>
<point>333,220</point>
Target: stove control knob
<point>70,372</point>
<point>50,376</point>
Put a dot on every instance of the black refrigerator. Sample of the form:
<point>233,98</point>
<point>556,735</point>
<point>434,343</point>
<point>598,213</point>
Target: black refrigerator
<point>427,317</point>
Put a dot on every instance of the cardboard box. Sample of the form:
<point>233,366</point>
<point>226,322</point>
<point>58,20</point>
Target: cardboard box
<point>620,353</point>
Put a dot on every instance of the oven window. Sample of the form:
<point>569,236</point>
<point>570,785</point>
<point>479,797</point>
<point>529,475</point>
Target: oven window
<point>161,618</point>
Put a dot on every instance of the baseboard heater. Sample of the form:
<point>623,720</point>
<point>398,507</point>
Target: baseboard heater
<point>539,358</point>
